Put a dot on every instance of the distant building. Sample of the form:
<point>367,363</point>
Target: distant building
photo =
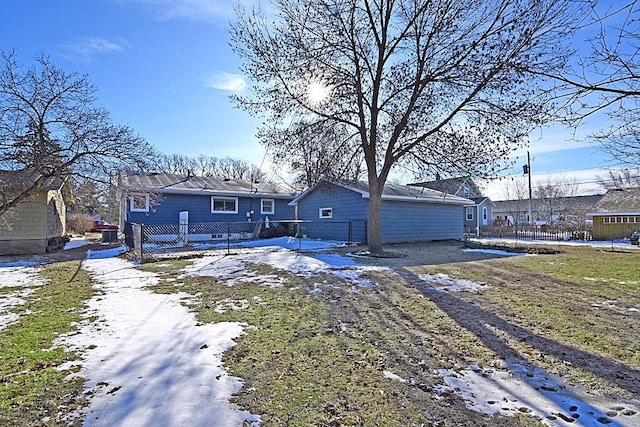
<point>545,211</point>
<point>617,214</point>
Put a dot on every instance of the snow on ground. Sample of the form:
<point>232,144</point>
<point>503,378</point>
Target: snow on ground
<point>494,252</point>
<point>530,390</point>
<point>231,268</point>
<point>24,278</point>
<point>146,361</point>
<point>291,243</point>
<point>442,282</point>
<point>76,242</point>
<point>617,244</point>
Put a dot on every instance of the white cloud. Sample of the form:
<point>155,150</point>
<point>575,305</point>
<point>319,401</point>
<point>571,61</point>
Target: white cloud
<point>226,81</point>
<point>85,48</point>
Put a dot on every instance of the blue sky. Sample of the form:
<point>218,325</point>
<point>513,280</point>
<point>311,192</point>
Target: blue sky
<point>164,67</point>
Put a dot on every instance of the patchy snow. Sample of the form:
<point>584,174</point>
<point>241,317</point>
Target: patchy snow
<point>107,253</point>
<point>76,242</point>
<point>442,282</point>
<point>146,361</point>
<point>529,390</point>
<point>390,375</point>
<point>291,243</point>
<point>234,267</point>
<point>22,278</point>
<point>495,252</point>
<point>230,304</point>
<point>8,301</point>
<point>618,244</point>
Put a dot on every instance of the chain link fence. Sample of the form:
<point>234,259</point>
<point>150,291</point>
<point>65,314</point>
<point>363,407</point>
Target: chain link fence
<point>151,242</point>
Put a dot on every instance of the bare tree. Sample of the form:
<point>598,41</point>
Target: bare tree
<point>606,80</point>
<point>316,151</point>
<point>51,127</point>
<point>202,165</point>
<point>554,198</point>
<point>516,195</point>
<point>441,84</point>
<point>625,178</point>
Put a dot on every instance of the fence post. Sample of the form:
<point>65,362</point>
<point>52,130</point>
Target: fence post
<point>228,238</point>
<point>141,243</point>
<point>350,232</point>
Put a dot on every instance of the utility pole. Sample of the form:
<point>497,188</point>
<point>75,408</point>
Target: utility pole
<point>527,171</point>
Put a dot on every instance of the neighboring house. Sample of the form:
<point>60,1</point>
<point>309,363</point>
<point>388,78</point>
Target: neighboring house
<point>159,199</point>
<point>476,214</point>
<point>408,213</point>
<point>36,225</point>
<point>545,211</point>
<point>617,214</point>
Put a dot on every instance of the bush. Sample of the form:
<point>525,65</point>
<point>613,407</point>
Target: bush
<point>79,223</point>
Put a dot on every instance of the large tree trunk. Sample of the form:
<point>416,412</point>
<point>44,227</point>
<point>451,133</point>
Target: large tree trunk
<point>374,229</point>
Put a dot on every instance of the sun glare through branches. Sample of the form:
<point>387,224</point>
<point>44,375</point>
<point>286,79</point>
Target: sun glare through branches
<point>317,92</point>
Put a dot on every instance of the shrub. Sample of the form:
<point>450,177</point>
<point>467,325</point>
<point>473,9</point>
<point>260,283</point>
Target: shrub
<point>79,223</point>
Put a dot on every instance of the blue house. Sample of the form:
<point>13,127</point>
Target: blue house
<point>338,211</point>
<point>168,199</point>
<point>478,213</point>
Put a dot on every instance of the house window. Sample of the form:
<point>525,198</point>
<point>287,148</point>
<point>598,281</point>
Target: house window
<point>227,205</point>
<point>139,202</point>
<point>267,206</point>
<point>325,213</point>
<point>469,214</point>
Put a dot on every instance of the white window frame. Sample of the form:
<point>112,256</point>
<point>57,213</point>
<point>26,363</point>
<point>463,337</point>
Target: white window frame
<point>467,212</point>
<point>225,198</point>
<point>132,206</point>
<point>327,210</point>
<point>272,211</point>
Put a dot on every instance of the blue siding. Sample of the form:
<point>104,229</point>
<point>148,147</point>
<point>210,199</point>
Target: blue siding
<point>167,210</point>
<point>420,221</point>
<point>401,221</point>
<point>347,206</point>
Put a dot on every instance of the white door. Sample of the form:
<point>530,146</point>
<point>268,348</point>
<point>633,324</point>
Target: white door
<point>485,216</point>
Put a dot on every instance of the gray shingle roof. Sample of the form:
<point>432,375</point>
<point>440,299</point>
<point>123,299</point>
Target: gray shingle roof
<point>170,183</point>
<point>19,180</point>
<point>619,201</point>
<point>400,192</point>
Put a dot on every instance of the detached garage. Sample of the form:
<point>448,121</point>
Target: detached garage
<point>408,214</point>
<point>617,214</point>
